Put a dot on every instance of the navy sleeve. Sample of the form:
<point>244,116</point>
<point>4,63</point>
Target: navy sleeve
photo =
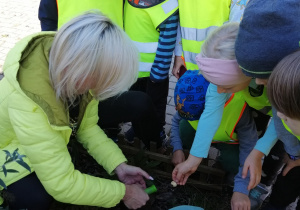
<point>175,135</point>
<point>48,15</point>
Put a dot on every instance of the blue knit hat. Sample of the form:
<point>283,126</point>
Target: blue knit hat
<point>269,31</point>
<point>189,95</point>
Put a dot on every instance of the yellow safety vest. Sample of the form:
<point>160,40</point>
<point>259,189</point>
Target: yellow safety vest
<point>233,111</point>
<point>141,24</point>
<point>197,19</point>
<point>260,103</point>
<point>70,9</point>
<point>289,130</point>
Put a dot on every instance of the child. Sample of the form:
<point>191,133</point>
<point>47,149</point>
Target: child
<point>152,26</point>
<point>285,82</point>
<point>197,19</point>
<point>272,31</point>
<point>284,92</point>
<point>218,65</point>
<point>189,98</point>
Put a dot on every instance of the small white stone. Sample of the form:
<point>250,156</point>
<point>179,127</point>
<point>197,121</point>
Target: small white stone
<point>174,184</point>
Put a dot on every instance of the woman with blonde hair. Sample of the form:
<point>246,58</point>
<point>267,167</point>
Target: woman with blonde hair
<point>50,91</point>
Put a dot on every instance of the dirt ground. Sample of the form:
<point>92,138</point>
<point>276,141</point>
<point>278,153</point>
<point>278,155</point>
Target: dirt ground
<point>166,196</point>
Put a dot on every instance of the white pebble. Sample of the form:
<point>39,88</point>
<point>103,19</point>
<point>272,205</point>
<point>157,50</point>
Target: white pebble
<point>174,184</point>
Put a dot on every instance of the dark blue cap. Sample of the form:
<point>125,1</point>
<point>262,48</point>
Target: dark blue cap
<point>269,31</point>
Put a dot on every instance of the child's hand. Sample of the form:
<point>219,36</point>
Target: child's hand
<point>178,157</point>
<point>253,163</point>
<point>178,62</point>
<point>289,165</point>
<point>183,170</point>
<point>240,201</point>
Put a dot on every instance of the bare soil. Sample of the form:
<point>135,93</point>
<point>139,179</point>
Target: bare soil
<point>166,196</point>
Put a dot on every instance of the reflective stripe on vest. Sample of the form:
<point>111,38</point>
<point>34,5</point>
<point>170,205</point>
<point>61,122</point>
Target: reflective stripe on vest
<point>141,25</point>
<point>197,20</point>
<point>260,103</point>
<point>289,130</point>
<point>194,34</point>
<point>233,111</point>
<point>70,9</point>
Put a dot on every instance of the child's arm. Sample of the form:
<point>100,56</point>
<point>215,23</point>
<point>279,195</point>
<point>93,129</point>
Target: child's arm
<point>178,62</point>
<point>207,127</point>
<point>175,140</point>
<point>253,162</point>
<point>178,45</point>
<point>247,135</point>
<point>209,121</point>
<point>178,155</point>
<point>164,52</point>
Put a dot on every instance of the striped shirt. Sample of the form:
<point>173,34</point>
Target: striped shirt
<point>164,52</point>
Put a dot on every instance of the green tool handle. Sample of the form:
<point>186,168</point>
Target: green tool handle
<point>151,189</point>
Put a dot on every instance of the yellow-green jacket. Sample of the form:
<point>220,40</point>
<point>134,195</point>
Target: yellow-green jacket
<point>33,121</point>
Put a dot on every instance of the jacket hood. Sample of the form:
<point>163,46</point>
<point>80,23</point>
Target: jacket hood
<point>27,70</point>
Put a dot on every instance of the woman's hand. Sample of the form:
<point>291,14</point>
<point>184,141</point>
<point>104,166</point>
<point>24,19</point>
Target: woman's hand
<point>253,163</point>
<point>132,175</point>
<point>240,201</point>
<point>178,157</point>
<point>135,197</point>
<point>183,170</point>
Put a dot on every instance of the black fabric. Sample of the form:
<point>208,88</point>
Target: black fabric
<point>131,106</point>
<point>273,163</point>
<point>48,15</point>
<point>158,92</point>
<point>28,193</point>
<point>286,189</point>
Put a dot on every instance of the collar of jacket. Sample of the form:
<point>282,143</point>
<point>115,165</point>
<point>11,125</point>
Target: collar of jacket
<point>27,69</point>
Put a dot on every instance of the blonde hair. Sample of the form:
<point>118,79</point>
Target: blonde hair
<point>220,42</point>
<point>284,86</point>
<point>92,47</point>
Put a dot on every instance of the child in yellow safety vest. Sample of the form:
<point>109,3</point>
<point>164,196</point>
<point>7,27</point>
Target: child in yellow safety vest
<point>261,48</point>
<point>218,65</point>
<point>284,92</point>
<point>237,128</point>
